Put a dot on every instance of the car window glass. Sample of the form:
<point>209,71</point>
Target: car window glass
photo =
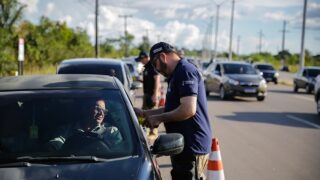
<point>128,75</point>
<point>52,123</point>
<point>238,69</point>
<point>264,67</point>
<point>304,73</point>
<point>313,72</point>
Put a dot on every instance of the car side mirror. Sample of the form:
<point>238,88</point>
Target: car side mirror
<point>136,85</point>
<point>168,144</point>
<point>261,73</point>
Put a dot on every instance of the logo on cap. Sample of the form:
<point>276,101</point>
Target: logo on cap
<point>157,50</point>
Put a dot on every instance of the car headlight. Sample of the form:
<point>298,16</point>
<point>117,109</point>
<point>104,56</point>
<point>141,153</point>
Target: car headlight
<point>276,74</point>
<point>263,83</point>
<point>233,82</point>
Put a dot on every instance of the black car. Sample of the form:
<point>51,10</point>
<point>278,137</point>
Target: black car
<point>111,67</point>
<point>268,72</point>
<point>34,108</point>
<point>306,79</point>
<point>231,79</point>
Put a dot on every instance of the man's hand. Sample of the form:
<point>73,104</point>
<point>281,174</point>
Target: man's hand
<point>152,121</point>
<point>139,112</point>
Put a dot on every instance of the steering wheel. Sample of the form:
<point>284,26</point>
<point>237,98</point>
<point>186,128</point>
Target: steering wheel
<point>84,143</point>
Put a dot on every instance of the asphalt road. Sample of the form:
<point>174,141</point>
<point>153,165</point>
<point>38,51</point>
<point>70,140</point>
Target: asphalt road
<point>277,139</point>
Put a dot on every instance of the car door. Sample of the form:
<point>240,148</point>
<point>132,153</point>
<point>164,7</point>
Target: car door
<point>216,80</point>
<point>302,79</point>
<point>209,78</point>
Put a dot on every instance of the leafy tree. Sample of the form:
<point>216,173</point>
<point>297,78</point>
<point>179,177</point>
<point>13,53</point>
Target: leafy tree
<point>10,13</point>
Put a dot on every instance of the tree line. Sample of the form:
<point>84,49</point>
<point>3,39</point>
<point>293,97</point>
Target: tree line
<point>49,42</point>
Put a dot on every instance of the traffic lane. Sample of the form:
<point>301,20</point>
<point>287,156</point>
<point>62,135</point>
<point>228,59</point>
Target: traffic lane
<point>258,140</point>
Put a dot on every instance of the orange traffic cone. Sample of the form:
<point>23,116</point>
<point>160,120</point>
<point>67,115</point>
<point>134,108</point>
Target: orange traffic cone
<point>162,100</point>
<point>215,167</point>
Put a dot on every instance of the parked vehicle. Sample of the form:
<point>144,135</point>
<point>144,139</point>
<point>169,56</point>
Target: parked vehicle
<point>34,108</point>
<point>136,76</point>
<point>110,67</point>
<point>306,79</point>
<point>231,79</point>
<point>317,93</point>
<point>285,68</point>
<point>268,72</point>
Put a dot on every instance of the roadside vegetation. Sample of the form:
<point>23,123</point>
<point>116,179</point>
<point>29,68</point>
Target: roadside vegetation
<point>48,42</point>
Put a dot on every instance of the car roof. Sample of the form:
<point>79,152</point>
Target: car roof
<point>57,81</point>
<point>233,62</point>
<point>92,61</point>
<point>262,64</point>
<point>312,67</point>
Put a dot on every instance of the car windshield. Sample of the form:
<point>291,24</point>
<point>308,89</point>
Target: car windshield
<point>60,123</point>
<point>264,67</point>
<point>313,72</point>
<point>238,69</point>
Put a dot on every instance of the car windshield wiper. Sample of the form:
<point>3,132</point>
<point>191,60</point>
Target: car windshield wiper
<point>26,161</point>
<point>61,159</point>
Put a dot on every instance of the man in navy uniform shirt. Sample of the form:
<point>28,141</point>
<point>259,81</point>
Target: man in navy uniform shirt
<point>185,111</point>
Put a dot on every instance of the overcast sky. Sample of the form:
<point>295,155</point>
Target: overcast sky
<point>185,23</point>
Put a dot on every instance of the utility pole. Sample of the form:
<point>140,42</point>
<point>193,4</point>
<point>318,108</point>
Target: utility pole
<point>217,29</point>
<point>284,35</point>
<point>238,46</point>
<point>302,35</point>
<point>260,41</point>
<point>125,17</point>
<point>231,31</point>
<point>216,34</point>
<point>96,29</point>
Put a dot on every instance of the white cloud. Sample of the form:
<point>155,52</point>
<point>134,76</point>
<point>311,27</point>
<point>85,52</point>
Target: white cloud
<point>67,19</point>
<point>277,16</point>
<point>271,3</point>
<point>32,5</point>
<point>182,34</point>
<point>50,8</point>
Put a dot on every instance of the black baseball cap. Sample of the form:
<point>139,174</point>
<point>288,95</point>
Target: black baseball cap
<point>142,54</point>
<point>159,48</point>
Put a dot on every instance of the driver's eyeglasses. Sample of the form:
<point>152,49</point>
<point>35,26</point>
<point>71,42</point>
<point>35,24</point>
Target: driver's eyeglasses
<point>98,109</point>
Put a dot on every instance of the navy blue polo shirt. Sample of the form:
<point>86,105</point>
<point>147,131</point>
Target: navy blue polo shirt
<point>148,78</point>
<point>186,80</point>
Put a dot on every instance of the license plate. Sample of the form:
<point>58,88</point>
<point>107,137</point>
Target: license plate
<point>250,90</point>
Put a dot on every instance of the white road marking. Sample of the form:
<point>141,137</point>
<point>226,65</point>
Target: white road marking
<point>304,98</point>
<point>303,121</point>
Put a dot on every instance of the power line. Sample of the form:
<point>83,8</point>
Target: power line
<point>125,17</point>
<point>260,41</point>
<point>284,31</point>
<point>238,45</point>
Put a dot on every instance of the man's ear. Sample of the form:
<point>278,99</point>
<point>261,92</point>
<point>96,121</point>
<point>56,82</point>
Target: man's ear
<point>163,57</point>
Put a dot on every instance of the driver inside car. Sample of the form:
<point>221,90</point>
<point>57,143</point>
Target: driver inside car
<point>94,126</point>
